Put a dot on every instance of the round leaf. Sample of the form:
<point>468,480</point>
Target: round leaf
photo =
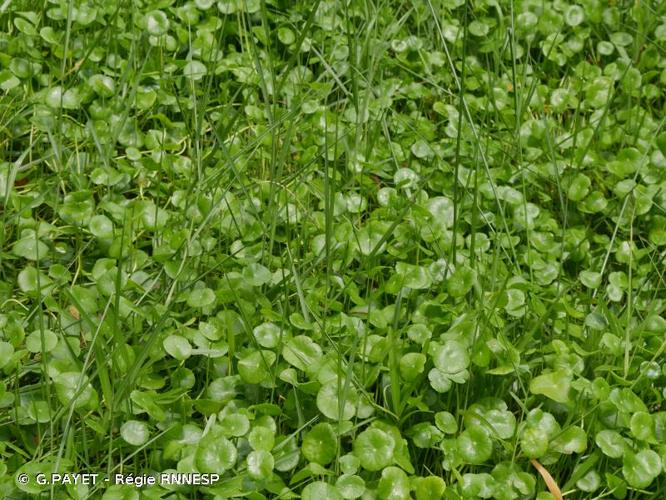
<point>350,486</point>
<point>135,432</point>
<point>34,341</point>
<point>534,442</point>
<point>610,443</point>
<point>260,465</point>
<point>452,357</point>
<point>157,23</point>
<point>101,226</point>
<point>393,484</point>
<point>328,402</point>
<point>374,448</point>
<point>215,455</point>
<point>641,469</point>
<point>302,352</point>
<point>319,490</point>
<point>554,385</point>
<point>177,347</point>
<point>412,365</point>
<point>571,440</point>
<point>254,368</point>
<point>31,248</point>
<point>201,297</point>
<point>320,444</point>
<point>429,488</point>
<point>475,445</point>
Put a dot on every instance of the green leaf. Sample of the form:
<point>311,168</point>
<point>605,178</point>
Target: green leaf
<point>261,438</point>
<point>421,149</point>
<point>101,226</point>
<point>411,276</point>
<point>177,347</point>
<point>461,282</point>
<point>319,490</point>
<point>570,440</point>
<point>446,422</point>
<point>478,28</point>
<point>374,448</point>
<point>393,484</point>
<point>591,279</point>
<point>350,486</point>
<point>31,248</point>
<point>451,358</point>
<point>256,274</point>
<point>579,187</point>
<point>267,335</point>
<point>439,380</point>
<point>478,485</point>
<point>6,352</point>
<point>429,488</point>
<point>642,426</point>
<point>554,385</point>
<point>34,341</point>
<point>215,455</point>
<point>412,365</point>
<point>534,442</point>
<point>254,367</point>
<point>590,482</point>
<point>157,23</point>
<point>475,445</point>
<point>260,464</point>
<point>135,432</point>
<point>102,85</point>
<point>501,423</point>
<point>329,402</point>
<point>303,353</point>
<point>574,15</point>
<point>286,36</point>
<point>195,70</point>
<point>153,217</point>
<point>320,444</point>
<point>201,297</point>
<point>642,468</point>
<point>74,388</point>
<point>234,425</point>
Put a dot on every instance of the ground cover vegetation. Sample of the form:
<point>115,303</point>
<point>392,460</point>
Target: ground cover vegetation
<point>334,249</point>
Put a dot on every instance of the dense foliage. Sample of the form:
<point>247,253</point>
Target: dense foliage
<point>356,249</point>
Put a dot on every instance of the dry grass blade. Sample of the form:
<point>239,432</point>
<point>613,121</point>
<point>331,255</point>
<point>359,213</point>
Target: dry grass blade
<point>550,482</point>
